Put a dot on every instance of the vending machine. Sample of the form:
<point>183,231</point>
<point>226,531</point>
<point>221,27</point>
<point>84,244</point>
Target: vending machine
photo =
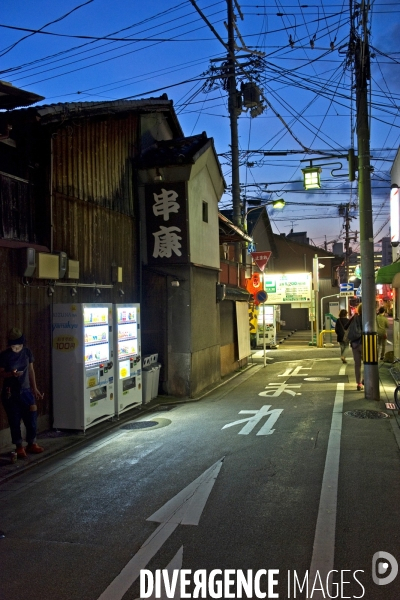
<point>128,382</point>
<point>83,365</point>
<point>270,326</point>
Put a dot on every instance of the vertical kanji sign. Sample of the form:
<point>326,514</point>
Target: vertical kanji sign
<point>166,223</point>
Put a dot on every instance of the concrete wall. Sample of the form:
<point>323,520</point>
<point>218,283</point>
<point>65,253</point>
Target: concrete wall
<point>193,333</point>
<point>203,236</point>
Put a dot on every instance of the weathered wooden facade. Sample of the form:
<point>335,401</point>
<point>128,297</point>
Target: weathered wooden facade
<point>80,179</point>
<point>67,184</point>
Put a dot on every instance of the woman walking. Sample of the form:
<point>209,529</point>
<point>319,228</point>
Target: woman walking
<point>340,329</point>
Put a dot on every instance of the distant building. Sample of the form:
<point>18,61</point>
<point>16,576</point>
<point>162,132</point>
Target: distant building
<point>298,236</point>
<point>386,251</point>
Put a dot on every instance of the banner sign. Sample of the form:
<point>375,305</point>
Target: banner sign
<point>288,288</point>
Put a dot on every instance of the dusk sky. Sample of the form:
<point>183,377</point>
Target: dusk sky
<point>305,72</point>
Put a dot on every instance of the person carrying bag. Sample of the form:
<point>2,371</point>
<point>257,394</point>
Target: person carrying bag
<point>353,334</point>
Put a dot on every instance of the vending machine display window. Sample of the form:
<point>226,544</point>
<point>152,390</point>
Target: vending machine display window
<point>96,335</point>
<point>95,315</point>
<point>127,331</point>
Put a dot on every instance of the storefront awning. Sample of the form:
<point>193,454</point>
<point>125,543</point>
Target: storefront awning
<point>386,274</point>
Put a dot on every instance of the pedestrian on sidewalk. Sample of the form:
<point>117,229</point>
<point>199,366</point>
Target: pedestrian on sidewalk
<point>354,335</point>
<point>340,329</point>
<point>382,325</point>
<point>20,392</point>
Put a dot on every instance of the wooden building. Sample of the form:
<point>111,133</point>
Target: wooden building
<point>68,184</point>
<point>77,181</point>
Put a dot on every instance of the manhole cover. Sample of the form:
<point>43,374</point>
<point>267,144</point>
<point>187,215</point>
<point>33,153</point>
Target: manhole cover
<point>139,425</point>
<point>366,414</point>
<point>316,378</point>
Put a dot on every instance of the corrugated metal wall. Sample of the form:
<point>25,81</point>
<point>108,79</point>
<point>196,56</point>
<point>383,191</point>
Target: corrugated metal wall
<point>97,237</point>
<point>94,222</point>
<point>92,161</point>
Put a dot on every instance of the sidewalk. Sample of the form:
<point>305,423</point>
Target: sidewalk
<point>55,442</point>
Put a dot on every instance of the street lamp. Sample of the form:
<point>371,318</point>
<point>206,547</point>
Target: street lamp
<point>316,267</point>
<point>312,178</point>
<point>311,174</point>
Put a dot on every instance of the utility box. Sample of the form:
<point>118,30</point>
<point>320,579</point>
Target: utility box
<point>28,262</point>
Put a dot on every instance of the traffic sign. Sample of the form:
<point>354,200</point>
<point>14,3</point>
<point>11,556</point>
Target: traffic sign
<point>261,259</point>
<point>347,287</point>
<point>261,296</point>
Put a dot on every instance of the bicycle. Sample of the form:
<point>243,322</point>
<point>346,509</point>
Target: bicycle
<point>396,376</point>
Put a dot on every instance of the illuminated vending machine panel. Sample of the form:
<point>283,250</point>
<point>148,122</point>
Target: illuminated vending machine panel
<point>128,357</point>
<point>270,326</point>
<point>83,365</point>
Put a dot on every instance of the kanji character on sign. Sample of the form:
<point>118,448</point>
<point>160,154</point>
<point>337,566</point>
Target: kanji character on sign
<point>167,242</point>
<point>165,203</point>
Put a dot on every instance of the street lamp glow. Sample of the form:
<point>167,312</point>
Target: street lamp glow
<point>311,178</point>
<point>280,203</point>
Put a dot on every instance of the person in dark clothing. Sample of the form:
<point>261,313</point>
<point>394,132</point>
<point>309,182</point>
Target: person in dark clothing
<point>340,329</point>
<point>355,324</point>
<point>20,392</point>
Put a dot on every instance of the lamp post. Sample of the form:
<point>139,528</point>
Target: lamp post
<point>316,267</point>
<point>279,204</point>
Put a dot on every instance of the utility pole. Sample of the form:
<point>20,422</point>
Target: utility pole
<point>362,72</point>
<point>233,117</point>
<point>347,241</point>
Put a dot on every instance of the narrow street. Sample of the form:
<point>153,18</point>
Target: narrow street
<point>246,478</point>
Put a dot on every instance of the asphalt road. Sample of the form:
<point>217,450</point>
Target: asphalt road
<point>267,473</point>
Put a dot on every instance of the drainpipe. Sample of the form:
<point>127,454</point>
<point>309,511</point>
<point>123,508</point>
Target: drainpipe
<point>51,194</point>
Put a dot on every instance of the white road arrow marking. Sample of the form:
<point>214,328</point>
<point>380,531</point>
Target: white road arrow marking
<point>184,509</point>
<point>251,422</point>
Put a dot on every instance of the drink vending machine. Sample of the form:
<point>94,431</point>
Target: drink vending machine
<point>270,326</point>
<point>83,365</point>
<point>128,384</point>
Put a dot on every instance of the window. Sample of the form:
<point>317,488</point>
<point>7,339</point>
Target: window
<point>205,212</point>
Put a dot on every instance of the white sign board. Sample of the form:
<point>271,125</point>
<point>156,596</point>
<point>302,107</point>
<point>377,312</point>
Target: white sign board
<point>288,288</point>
